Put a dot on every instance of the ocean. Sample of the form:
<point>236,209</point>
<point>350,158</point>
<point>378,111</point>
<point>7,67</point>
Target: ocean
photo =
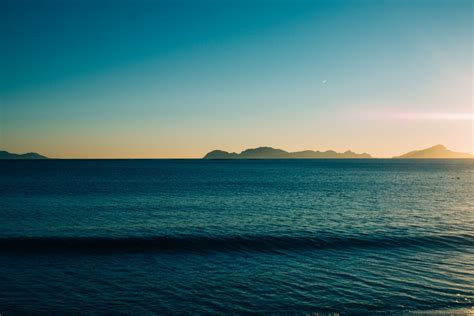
<point>175,237</point>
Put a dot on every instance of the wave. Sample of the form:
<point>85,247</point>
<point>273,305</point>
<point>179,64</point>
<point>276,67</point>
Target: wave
<point>203,243</point>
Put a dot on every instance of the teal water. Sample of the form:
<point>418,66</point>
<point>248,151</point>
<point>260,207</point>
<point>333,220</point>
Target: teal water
<point>246,236</point>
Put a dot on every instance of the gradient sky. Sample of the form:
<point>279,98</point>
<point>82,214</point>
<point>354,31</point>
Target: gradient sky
<point>83,78</point>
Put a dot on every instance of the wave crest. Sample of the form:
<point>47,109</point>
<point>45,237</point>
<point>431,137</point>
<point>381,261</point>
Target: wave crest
<point>203,243</point>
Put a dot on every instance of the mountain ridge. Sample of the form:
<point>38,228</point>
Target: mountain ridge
<point>275,153</point>
<point>7,155</point>
<point>435,152</point>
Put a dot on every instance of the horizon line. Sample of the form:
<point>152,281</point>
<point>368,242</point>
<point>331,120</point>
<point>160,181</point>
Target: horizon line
<point>258,147</point>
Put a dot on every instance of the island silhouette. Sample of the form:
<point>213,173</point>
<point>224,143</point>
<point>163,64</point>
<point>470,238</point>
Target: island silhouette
<point>8,155</point>
<point>435,152</point>
<point>273,153</point>
<point>438,152</point>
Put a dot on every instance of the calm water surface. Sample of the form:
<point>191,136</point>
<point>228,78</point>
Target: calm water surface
<point>256,236</point>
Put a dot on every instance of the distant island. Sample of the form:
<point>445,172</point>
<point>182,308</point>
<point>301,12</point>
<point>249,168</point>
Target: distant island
<point>438,151</point>
<point>7,155</point>
<point>272,153</point>
<point>435,152</point>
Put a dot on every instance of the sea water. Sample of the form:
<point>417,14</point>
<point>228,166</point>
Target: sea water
<point>236,236</point>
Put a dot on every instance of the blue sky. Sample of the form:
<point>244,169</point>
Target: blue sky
<point>180,78</point>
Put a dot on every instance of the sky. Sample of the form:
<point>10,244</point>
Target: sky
<point>177,79</point>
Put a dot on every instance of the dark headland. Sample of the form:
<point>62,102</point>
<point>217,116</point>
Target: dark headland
<point>7,155</point>
<point>272,153</point>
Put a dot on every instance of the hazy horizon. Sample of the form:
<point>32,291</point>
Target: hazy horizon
<point>438,155</point>
<point>165,79</point>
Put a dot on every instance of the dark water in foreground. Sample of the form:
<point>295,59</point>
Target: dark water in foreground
<point>214,237</point>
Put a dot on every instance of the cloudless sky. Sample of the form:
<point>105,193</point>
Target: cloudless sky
<point>83,78</point>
